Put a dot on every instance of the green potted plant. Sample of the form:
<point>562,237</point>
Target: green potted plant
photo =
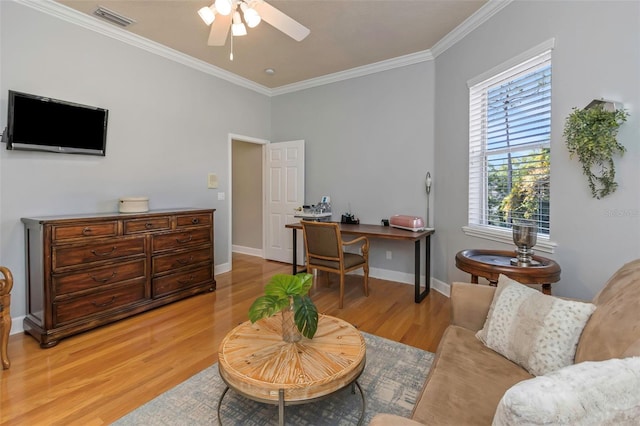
<point>288,294</point>
<point>591,135</point>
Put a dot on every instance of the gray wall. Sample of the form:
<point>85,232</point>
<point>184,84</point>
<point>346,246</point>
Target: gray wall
<point>246,207</point>
<point>369,143</point>
<point>369,140</point>
<point>168,128</point>
<point>597,55</point>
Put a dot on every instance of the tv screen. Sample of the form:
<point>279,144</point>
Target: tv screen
<point>39,123</point>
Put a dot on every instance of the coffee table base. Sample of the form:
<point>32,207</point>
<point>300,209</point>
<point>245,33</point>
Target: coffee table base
<point>282,403</point>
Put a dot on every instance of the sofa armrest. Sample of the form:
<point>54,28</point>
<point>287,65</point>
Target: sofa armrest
<point>470,304</point>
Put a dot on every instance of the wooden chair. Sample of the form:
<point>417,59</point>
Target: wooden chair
<point>324,247</point>
<point>6,284</point>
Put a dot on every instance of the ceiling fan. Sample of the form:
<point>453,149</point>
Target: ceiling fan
<point>225,14</point>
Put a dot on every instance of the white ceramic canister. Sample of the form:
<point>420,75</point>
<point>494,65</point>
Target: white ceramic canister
<point>134,205</point>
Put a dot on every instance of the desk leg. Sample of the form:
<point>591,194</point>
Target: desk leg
<point>294,265</point>
<point>419,296</point>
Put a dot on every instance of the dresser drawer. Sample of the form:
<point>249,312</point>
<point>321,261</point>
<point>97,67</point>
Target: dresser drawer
<point>175,282</point>
<point>87,230</point>
<point>96,277</point>
<point>183,221</point>
<point>93,304</point>
<point>104,250</point>
<point>134,226</point>
<point>185,238</point>
<point>169,262</point>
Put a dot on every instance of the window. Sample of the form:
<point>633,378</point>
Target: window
<point>509,143</point>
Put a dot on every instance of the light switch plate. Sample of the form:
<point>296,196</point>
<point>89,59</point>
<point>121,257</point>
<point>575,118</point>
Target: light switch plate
<point>220,196</point>
<point>212,181</point>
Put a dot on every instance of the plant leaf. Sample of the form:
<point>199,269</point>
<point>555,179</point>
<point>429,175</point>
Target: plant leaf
<point>306,281</point>
<point>306,316</point>
<point>265,306</point>
<point>283,286</point>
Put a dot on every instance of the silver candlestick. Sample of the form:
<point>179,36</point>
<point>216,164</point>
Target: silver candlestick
<point>427,184</point>
<point>525,236</point>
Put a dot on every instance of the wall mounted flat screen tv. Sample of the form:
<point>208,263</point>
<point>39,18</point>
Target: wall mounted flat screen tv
<point>39,123</point>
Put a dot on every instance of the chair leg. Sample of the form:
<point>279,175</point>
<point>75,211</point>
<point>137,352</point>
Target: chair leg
<point>366,279</point>
<point>341,303</point>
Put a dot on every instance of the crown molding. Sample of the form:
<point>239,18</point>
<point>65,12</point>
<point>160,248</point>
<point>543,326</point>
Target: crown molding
<point>481,16</point>
<point>73,16</point>
<point>400,61</point>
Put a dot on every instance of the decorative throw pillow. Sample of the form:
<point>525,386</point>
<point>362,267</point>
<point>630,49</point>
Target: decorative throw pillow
<point>588,393</point>
<point>536,331</point>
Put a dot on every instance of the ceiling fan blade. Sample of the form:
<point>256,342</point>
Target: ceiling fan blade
<point>282,22</point>
<point>219,30</point>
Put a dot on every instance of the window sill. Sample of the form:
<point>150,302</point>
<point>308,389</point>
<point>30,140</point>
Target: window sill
<point>543,245</point>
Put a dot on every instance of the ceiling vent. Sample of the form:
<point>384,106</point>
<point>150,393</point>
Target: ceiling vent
<point>113,17</point>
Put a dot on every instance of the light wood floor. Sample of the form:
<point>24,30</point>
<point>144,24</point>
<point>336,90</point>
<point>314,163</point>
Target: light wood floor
<point>99,376</point>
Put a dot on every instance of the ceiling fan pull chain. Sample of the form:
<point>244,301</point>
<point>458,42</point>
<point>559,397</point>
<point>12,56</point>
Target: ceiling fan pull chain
<point>231,54</point>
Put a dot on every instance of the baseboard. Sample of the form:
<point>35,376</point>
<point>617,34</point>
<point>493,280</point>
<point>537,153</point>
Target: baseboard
<point>407,278</point>
<point>247,250</point>
<point>222,268</point>
<point>16,325</point>
<point>383,274</point>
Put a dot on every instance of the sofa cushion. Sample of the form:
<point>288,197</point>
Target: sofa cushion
<point>588,393</point>
<point>534,330</point>
<point>465,382</point>
<point>613,331</point>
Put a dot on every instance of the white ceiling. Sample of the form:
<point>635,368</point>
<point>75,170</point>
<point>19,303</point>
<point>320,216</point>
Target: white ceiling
<point>345,34</point>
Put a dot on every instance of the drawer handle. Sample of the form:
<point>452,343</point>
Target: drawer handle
<point>195,221</point>
<point>105,253</point>
<point>102,305</point>
<point>185,261</point>
<point>86,231</point>
<point>186,240</point>
<point>148,225</point>
<point>190,280</point>
<point>103,280</point>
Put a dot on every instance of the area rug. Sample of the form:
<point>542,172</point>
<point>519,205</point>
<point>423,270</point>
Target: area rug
<point>391,381</point>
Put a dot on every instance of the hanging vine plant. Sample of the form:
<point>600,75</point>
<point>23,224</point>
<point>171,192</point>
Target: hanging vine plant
<point>591,134</point>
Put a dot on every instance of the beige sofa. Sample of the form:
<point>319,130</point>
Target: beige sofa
<point>468,380</point>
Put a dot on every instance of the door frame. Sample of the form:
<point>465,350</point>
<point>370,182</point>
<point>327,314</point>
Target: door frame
<point>249,139</point>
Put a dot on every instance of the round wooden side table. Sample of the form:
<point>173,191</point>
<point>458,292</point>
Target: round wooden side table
<point>490,264</point>
<point>255,362</point>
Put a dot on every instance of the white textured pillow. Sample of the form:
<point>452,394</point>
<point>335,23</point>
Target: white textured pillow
<point>536,331</point>
<point>588,393</point>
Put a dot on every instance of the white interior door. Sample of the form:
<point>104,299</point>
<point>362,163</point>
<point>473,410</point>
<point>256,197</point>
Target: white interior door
<point>284,180</point>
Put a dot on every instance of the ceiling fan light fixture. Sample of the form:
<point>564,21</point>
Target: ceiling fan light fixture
<point>237,28</point>
<point>208,14</point>
<point>223,7</point>
<point>251,16</point>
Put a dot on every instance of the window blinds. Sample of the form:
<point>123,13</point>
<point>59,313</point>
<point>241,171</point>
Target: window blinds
<point>509,145</point>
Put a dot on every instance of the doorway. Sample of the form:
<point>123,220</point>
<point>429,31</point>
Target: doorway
<point>246,197</point>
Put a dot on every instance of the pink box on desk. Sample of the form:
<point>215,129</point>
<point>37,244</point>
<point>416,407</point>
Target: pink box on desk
<point>410,223</point>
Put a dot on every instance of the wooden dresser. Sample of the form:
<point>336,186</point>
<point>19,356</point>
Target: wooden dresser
<point>89,270</point>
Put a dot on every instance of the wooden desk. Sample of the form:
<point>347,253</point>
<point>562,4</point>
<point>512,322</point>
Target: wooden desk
<point>490,264</point>
<point>389,233</point>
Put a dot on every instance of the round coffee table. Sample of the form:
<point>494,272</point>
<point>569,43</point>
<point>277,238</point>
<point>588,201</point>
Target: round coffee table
<point>255,362</point>
<point>491,263</point>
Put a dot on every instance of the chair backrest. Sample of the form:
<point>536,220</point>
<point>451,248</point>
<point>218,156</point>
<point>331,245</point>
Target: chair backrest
<point>322,240</point>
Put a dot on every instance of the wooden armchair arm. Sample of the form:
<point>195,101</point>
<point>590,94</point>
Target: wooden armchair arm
<point>365,244</point>
<point>6,284</point>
